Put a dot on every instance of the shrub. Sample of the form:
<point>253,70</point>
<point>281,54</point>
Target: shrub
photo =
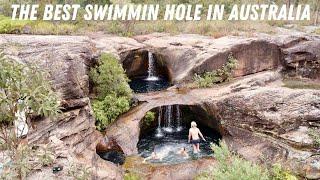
<point>8,26</point>
<point>220,75</point>
<point>112,89</point>
<point>149,117</point>
<point>109,78</point>
<point>107,110</point>
<point>24,89</point>
<point>131,176</point>
<point>25,160</point>
<point>278,173</point>
<point>232,167</point>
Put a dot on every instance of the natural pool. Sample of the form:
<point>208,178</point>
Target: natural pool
<point>145,84</point>
<point>171,135</point>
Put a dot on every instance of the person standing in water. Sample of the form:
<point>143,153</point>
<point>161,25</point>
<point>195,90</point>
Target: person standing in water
<point>193,137</point>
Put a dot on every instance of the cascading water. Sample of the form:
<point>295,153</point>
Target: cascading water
<point>151,68</point>
<point>178,116</point>
<point>169,124</point>
<point>171,135</point>
<point>168,120</point>
<point>159,132</point>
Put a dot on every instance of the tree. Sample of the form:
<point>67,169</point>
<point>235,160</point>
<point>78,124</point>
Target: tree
<point>113,93</point>
<point>24,92</point>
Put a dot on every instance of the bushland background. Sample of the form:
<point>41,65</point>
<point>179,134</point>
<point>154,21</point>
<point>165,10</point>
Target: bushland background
<point>131,28</point>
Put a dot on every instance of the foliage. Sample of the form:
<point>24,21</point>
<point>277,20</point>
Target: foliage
<point>113,91</point>
<point>109,78</point>
<point>80,172</point>
<point>24,88</point>
<point>217,76</point>
<point>125,28</point>
<point>131,176</point>
<point>232,167</point>
<point>46,157</point>
<point>108,109</point>
<point>278,173</point>
<point>24,161</point>
<point>9,26</point>
<point>315,135</point>
<point>149,117</point>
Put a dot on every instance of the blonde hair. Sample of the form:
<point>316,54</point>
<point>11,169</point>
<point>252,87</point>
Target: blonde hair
<point>193,124</point>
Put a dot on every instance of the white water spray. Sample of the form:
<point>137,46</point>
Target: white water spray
<point>159,130</point>
<point>168,119</point>
<point>178,116</point>
<point>171,122</point>
<point>151,68</point>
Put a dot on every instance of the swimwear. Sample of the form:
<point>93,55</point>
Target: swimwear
<point>196,141</point>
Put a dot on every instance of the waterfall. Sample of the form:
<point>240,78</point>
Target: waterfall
<point>168,120</point>
<point>151,68</point>
<point>178,116</point>
<point>171,122</point>
<point>159,130</point>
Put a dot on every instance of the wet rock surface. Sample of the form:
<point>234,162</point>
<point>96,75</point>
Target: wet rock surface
<point>185,171</point>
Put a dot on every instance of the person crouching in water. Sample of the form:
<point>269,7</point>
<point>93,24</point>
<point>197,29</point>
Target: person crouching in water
<point>193,137</point>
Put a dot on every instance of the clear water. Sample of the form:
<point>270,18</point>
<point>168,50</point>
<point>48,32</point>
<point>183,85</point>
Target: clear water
<point>168,146</point>
<point>144,85</point>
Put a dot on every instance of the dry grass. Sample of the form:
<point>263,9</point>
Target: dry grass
<point>301,84</point>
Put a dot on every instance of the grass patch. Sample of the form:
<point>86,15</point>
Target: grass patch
<point>317,31</point>
<point>315,135</point>
<point>131,176</point>
<point>214,29</point>
<point>301,84</point>
<point>223,74</point>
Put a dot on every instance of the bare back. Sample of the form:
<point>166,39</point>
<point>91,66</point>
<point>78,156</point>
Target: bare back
<point>194,132</point>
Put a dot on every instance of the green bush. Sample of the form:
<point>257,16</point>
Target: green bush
<point>131,176</point>
<point>113,93</point>
<point>8,26</point>
<point>278,173</point>
<point>109,78</point>
<point>218,76</point>
<point>232,167</point>
<point>27,85</point>
<point>107,110</point>
<point>149,118</point>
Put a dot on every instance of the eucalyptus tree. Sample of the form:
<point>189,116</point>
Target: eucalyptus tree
<point>25,92</point>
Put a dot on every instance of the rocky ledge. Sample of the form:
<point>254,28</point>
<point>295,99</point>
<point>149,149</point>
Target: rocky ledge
<point>256,115</point>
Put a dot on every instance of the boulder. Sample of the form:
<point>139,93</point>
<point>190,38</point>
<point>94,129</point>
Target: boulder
<point>66,58</point>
